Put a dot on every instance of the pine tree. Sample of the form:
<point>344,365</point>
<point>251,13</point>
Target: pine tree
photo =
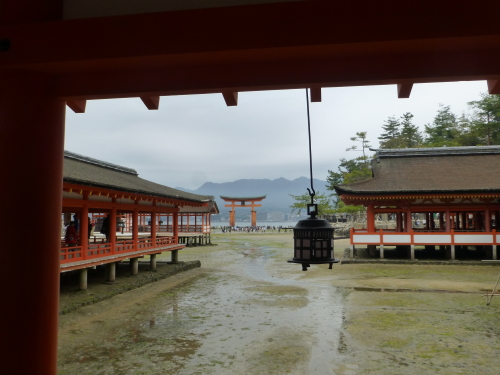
<point>486,119</point>
<point>389,139</point>
<point>410,134</point>
<point>444,129</point>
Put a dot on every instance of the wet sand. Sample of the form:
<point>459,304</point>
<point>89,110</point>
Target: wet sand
<point>247,311</point>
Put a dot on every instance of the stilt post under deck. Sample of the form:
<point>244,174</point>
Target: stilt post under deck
<point>152,262</point>
<point>83,279</point>
<point>412,252</point>
<point>111,272</point>
<point>134,266</point>
<point>31,150</point>
<point>381,251</point>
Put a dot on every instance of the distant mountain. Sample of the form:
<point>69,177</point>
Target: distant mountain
<point>277,191</point>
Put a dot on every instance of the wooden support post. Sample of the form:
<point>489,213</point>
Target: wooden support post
<point>112,230</point>
<point>381,251</point>
<point>32,149</point>
<point>175,225</point>
<point>84,231</point>
<point>153,227</point>
<point>152,262</point>
<point>370,219</point>
<point>134,266</point>
<point>452,253</point>
<point>174,256</point>
<point>135,228</point>
<point>110,272</point>
<point>83,279</point>
<point>412,252</point>
<point>494,251</point>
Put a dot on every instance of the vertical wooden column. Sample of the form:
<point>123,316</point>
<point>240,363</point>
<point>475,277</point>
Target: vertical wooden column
<point>31,150</point>
<point>153,227</point>
<point>84,231</point>
<point>441,220</point>
<point>487,220</point>
<point>175,225</point>
<point>112,230</point>
<point>135,228</point>
<point>254,218</point>
<point>448,220</point>
<point>408,223</point>
<point>370,218</point>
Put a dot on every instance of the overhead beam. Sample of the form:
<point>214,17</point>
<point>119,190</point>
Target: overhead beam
<point>494,86</point>
<point>231,98</point>
<point>78,106</point>
<point>404,90</point>
<point>151,102</point>
<point>315,94</point>
<point>380,27</point>
<point>274,75</point>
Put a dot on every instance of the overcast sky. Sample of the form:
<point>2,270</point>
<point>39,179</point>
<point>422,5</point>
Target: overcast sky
<point>195,139</point>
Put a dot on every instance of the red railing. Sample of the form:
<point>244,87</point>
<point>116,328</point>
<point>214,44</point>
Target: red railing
<point>99,250</point>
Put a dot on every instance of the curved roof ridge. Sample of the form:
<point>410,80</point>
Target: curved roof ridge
<point>100,163</point>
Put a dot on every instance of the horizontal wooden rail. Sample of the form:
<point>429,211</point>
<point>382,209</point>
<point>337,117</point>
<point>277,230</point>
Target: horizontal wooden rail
<point>382,237</point>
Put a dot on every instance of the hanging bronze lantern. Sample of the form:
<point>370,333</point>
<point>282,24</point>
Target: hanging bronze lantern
<point>312,237</point>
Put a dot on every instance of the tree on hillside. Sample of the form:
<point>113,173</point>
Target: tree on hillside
<point>444,129</point>
<point>390,137</point>
<point>486,118</point>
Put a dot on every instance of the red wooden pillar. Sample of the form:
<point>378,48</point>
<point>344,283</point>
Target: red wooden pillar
<point>135,228</point>
<point>112,230</point>
<point>84,230</point>
<point>370,219</point>
<point>153,227</point>
<point>408,223</point>
<point>31,150</point>
<point>448,220</point>
<point>175,225</point>
<point>487,220</point>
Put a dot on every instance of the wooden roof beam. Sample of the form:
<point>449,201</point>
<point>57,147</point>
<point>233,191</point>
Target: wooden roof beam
<point>151,102</point>
<point>494,86</point>
<point>78,106</point>
<point>315,94</point>
<point>231,98</point>
<point>404,90</point>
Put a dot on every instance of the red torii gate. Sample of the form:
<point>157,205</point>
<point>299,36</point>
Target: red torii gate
<point>55,53</point>
<point>242,201</point>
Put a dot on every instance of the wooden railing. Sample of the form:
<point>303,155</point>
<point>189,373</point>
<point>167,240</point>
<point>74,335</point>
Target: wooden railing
<point>97,250</point>
<point>382,237</point>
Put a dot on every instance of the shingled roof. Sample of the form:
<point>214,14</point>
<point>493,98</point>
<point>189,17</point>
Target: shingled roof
<point>82,170</point>
<point>431,170</point>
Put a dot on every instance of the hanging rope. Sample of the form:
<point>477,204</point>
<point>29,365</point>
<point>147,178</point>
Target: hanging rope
<point>310,150</point>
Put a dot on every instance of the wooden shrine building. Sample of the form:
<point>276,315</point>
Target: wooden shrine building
<point>95,187</point>
<point>242,202</point>
<point>456,191</point>
<point>58,53</point>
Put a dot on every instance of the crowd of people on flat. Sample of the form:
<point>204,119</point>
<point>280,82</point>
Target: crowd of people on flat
<point>253,229</point>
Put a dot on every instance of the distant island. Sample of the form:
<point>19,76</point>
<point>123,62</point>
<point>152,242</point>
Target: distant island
<point>275,207</point>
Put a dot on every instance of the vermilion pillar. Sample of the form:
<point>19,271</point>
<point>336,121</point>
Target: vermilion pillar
<point>254,218</point>
<point>370,219</point>
<point>153,227</point>
<point>31,150</point>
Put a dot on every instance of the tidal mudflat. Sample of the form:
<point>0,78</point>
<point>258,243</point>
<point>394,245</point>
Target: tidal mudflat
<point>247,311</point>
